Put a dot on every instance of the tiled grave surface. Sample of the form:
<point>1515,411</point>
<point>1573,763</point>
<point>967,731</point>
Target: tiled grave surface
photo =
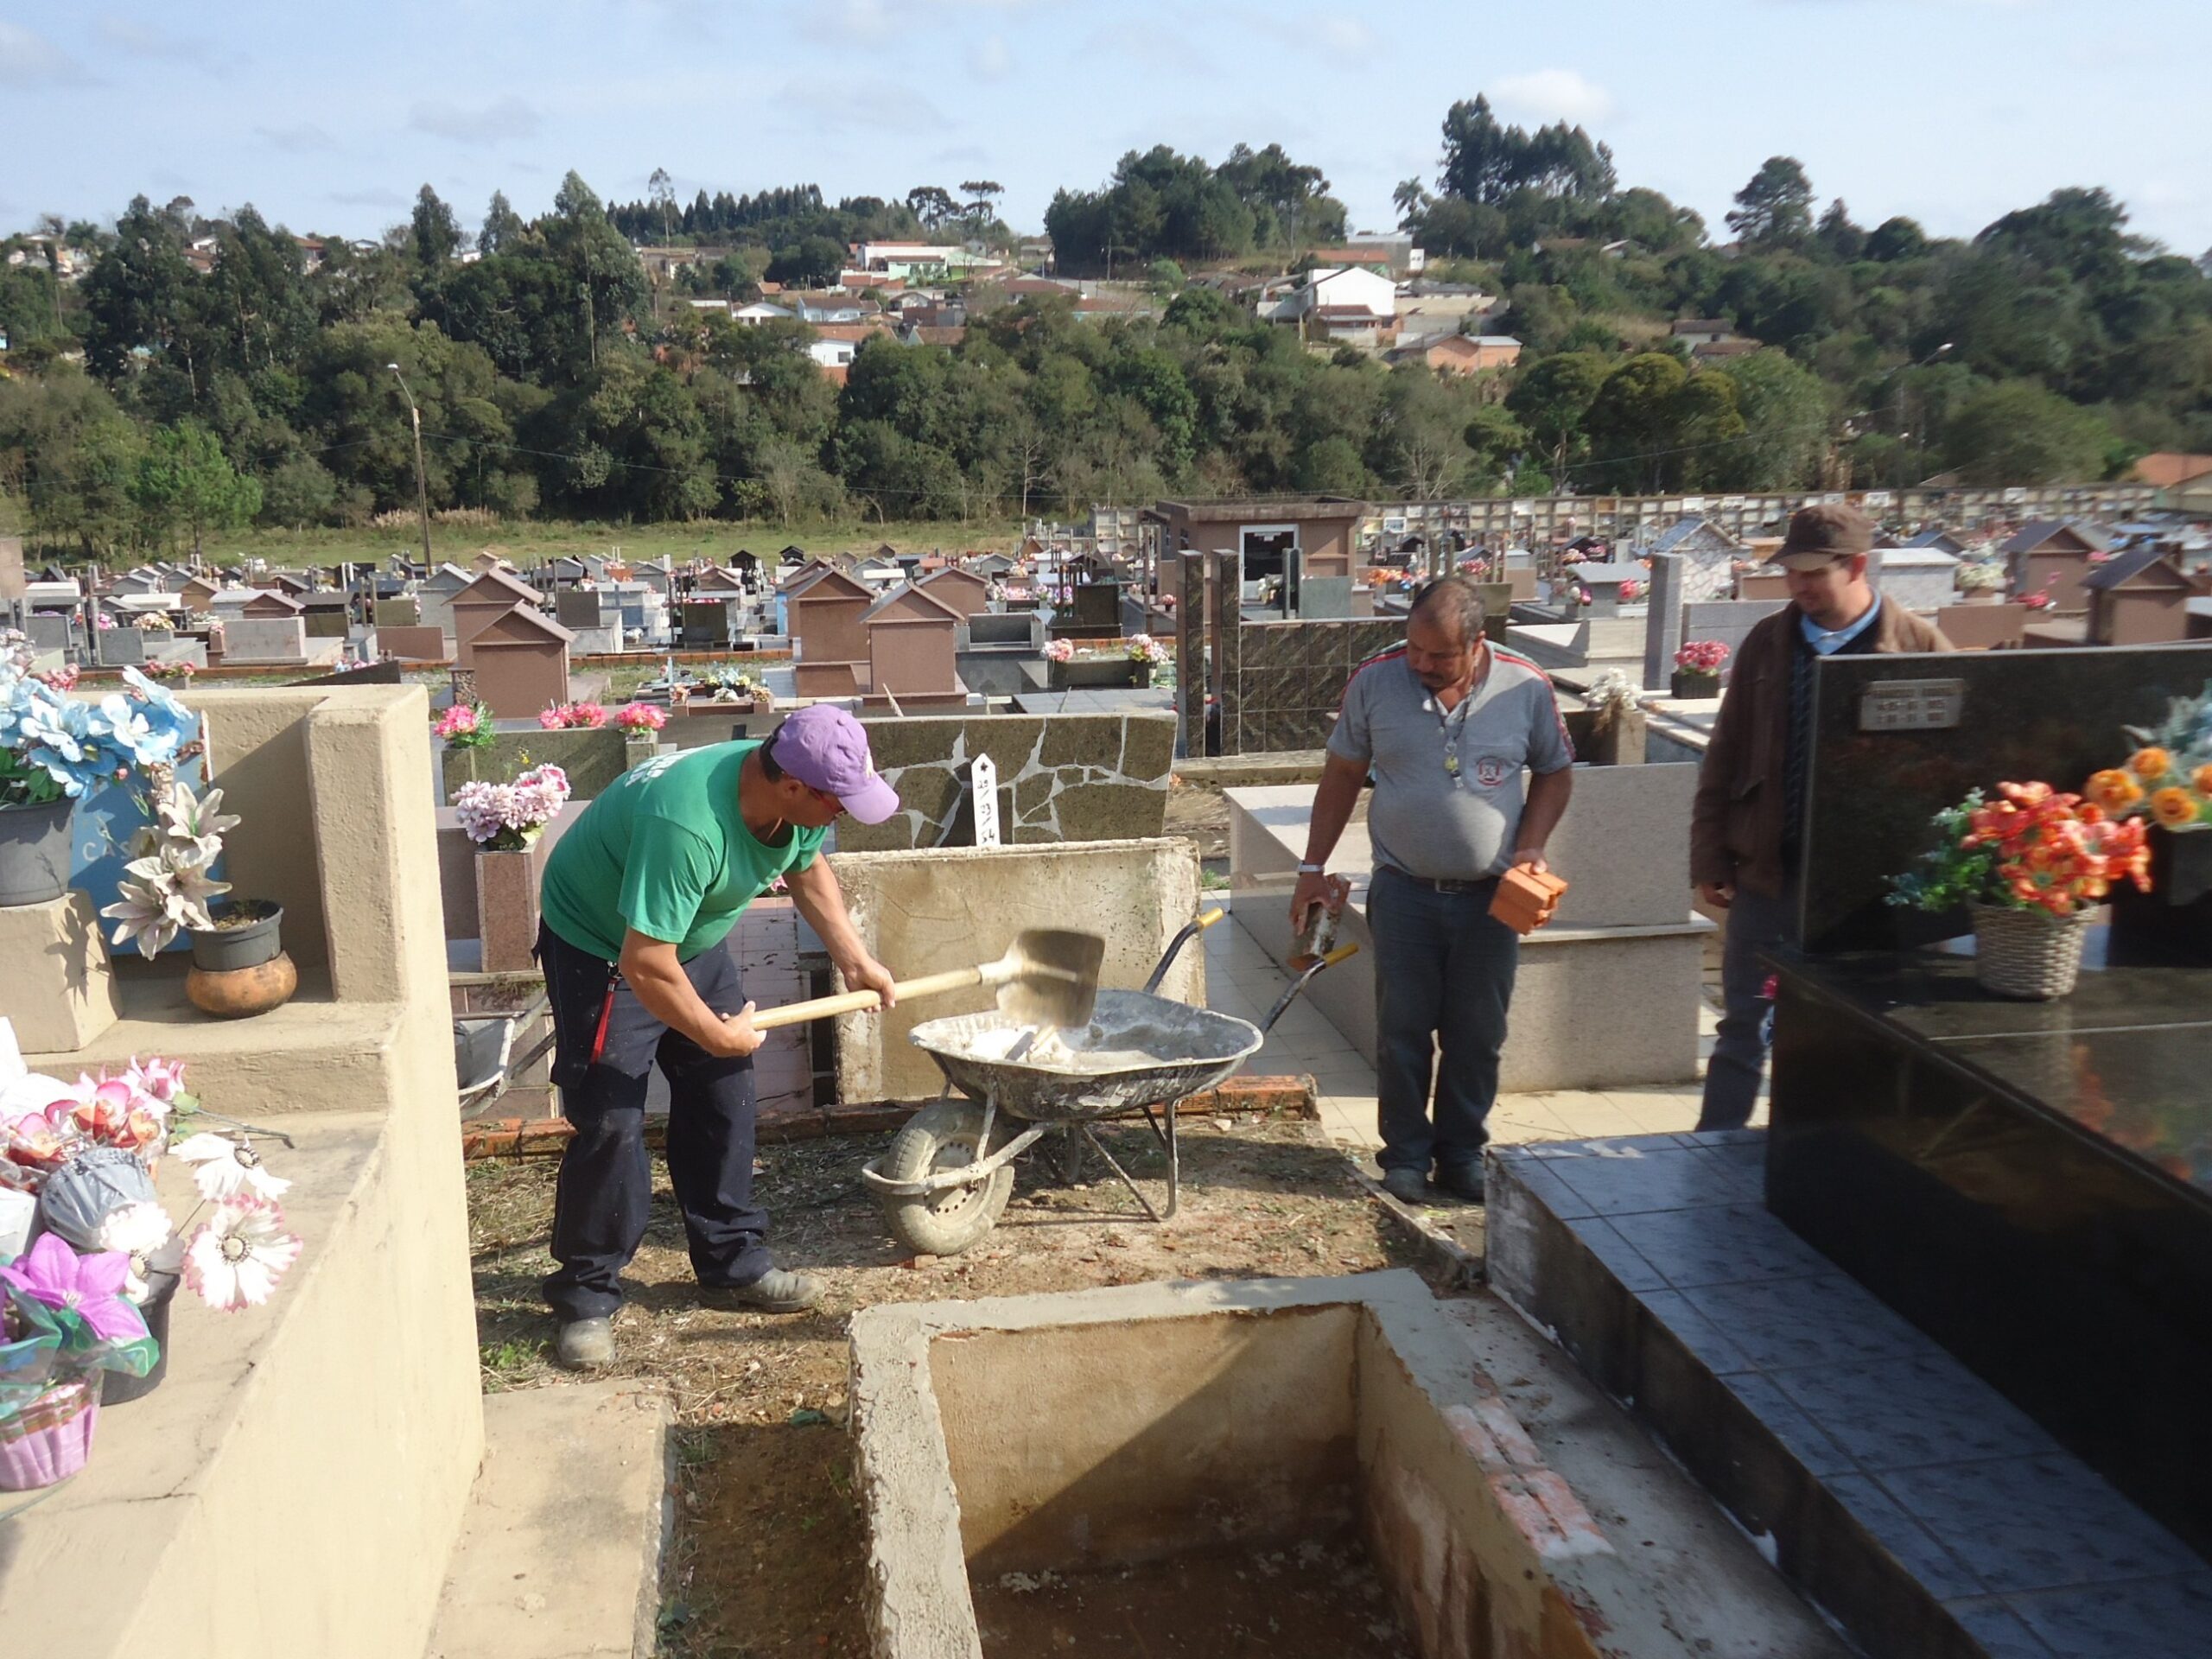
<point>1901,1493</point>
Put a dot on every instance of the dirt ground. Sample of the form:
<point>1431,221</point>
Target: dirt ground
<point>768,1549</point>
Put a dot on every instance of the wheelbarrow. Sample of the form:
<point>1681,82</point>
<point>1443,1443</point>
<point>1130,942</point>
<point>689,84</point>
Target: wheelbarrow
<point>946,1177</point>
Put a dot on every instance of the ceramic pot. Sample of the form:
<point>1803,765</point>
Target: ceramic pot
<point>240,993</point>
<point>246,943</point>
<point>34,852</point>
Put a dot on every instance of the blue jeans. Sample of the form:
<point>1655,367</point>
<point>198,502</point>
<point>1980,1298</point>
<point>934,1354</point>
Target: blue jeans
<point>1757,925</point>
<point>1443,981</point>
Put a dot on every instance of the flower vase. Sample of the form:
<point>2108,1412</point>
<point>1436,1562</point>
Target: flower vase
<point>2028,955</point>
<point>239,968</point>
<point>120,1387</point>
<point>506,908</point>
<point>50,1438</point>
<point>1057,675</point>
<point>34,852</point>
<point>1688,685</point>
<point>1139,673</point>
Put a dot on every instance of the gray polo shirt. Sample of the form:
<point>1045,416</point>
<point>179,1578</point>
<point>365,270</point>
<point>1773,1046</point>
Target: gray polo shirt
<point>1448,789</point>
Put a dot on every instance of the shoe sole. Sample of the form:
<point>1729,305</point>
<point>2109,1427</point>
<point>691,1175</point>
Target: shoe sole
<point>731,1295</point>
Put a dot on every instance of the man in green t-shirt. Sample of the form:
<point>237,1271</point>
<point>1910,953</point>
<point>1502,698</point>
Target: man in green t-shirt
<point>639,897</point>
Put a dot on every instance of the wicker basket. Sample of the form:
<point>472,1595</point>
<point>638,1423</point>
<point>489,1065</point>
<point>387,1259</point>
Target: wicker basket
<point>2028,954</point>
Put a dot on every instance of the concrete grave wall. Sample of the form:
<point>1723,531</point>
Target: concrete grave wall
<point>593,759</point>
<point>1061,777</point>
<point>324,623</point>
<point>397,614</point>
<point>264,639</point>
<point>924,911</point>
<point>122,647</point>
<point>414,645</point>
<point>1282,683</point>
<point>1264,1413</point>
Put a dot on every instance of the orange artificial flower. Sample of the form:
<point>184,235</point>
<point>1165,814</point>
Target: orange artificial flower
<point>2202,780</point>
<point>2174,808</point>
<point>2151,764</point>
<point>2114,791</point>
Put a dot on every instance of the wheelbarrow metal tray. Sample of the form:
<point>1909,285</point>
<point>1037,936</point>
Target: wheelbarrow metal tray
<point>1213,1046</point>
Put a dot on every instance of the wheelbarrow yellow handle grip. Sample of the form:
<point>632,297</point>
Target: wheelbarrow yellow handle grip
<point>1207,918</point>
<point>1342,953</point>
<point>797,1013</point>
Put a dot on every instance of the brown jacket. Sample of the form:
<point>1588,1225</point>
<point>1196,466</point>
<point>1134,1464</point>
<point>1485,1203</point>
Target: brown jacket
<point>1736,827</point>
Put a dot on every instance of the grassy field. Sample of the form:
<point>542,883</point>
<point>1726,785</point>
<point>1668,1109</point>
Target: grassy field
<point>530,543</point>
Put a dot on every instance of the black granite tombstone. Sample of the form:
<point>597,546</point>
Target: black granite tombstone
<point>2020,716</point>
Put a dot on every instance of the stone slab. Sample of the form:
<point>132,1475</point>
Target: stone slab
<point>264,639</point>
<point>560,1548</point>
<point>59,993</point>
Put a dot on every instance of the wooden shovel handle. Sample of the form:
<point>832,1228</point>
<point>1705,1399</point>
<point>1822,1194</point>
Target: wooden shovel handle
<point>797,1013</point>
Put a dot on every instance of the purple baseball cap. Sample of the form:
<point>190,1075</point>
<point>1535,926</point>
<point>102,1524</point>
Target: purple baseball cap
<point>825,749</point>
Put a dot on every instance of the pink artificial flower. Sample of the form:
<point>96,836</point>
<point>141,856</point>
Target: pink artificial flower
<point>552,720</point>
<point>459,721</point>
<point>89,1285</point>
<point>641,717</point>
<point>162,1079</point>
<point>235,1260</point>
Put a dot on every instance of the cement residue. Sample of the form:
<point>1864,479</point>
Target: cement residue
<point>1103,1045</point>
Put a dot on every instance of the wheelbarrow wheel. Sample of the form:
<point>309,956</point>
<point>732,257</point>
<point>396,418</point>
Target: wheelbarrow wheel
<point>937,1137</point>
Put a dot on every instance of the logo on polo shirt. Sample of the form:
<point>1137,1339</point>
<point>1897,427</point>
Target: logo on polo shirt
<point>1490,771</point>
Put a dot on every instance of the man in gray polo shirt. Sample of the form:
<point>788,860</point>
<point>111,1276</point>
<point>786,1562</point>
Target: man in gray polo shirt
<point>1446,725</point>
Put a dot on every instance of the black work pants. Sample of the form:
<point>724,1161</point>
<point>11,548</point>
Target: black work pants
<point>605,1191</point>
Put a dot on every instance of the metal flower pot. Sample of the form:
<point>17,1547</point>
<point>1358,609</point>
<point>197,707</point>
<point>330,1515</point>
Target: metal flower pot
<point>34,852</point>
<point>246,944</point>
<point>1686,685</point>
<point>117,1388</point>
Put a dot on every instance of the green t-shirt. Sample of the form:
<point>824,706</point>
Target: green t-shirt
<point>664,851</point>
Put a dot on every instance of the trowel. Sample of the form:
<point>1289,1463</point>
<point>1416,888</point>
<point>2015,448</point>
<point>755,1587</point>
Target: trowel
<point>1048,977</point>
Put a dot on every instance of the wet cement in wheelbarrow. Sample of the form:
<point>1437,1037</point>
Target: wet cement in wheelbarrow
<point>1312,1600</point>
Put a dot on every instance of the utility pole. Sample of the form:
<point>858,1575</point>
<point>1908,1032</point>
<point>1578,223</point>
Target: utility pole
<point>422,491</point>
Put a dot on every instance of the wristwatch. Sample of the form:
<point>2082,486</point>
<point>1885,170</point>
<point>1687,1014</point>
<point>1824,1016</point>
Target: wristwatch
<point>1309,869</point>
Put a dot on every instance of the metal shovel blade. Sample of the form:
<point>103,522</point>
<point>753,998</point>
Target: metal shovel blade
<point>1049,976</point>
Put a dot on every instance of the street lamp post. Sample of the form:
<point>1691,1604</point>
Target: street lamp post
<point>422,491</point>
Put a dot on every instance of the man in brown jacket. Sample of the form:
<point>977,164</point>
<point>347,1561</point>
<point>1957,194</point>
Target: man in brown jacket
<point>1751,791</point>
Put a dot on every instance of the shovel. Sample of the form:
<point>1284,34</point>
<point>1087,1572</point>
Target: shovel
<point>1049,976</point>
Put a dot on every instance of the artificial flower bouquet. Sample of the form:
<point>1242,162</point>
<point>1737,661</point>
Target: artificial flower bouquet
<point>1059,651</point>
<point>466,726</point>
<point>507,817</point>
<point>2033,849</point>
<point>1701,657</point>
<point>639,718</point>
<point>573,717</point>
<point>1143,648</point>
<point>2169,778</point>
<point>89,1293</point>
<point>52,745</point>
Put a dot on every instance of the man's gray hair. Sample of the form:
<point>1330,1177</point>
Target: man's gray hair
<point>1452,602</point>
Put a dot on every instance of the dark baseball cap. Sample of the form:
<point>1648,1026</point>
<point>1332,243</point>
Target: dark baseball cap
<point>825,749</point>
<point>1820,534</point>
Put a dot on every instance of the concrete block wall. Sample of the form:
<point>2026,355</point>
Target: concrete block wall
<point>924,911</point>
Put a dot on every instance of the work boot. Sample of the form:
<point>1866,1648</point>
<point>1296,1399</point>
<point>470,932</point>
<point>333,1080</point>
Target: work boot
<point>1407,1185</point>
<point>1462,1181</point>
<point>586,1344</point>
<point>777,1291</point>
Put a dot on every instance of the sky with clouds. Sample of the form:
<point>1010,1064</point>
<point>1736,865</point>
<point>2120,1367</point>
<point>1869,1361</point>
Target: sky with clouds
<point>328,116</point>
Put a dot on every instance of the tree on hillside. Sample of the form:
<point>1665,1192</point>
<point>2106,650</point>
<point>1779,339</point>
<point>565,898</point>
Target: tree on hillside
<point>141,296</point>
<point>1785,412</point>
<point>661,190</point>
<point>184,481</point>
<point>933,204</point>
<point>2018,432</point>
<point>813,263</point>
<point>502,229</point>
<point>982,195</point>
<point>1775,209</point>
<point>1839,239</point>
<point>1552,397</point>
<point>1896,238</point>
<point>1487,162</point>
<point>1291,205</point>
<point>434,236</point>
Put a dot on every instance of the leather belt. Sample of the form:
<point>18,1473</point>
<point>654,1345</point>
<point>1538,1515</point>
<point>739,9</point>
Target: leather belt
<point>1434,885</point>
